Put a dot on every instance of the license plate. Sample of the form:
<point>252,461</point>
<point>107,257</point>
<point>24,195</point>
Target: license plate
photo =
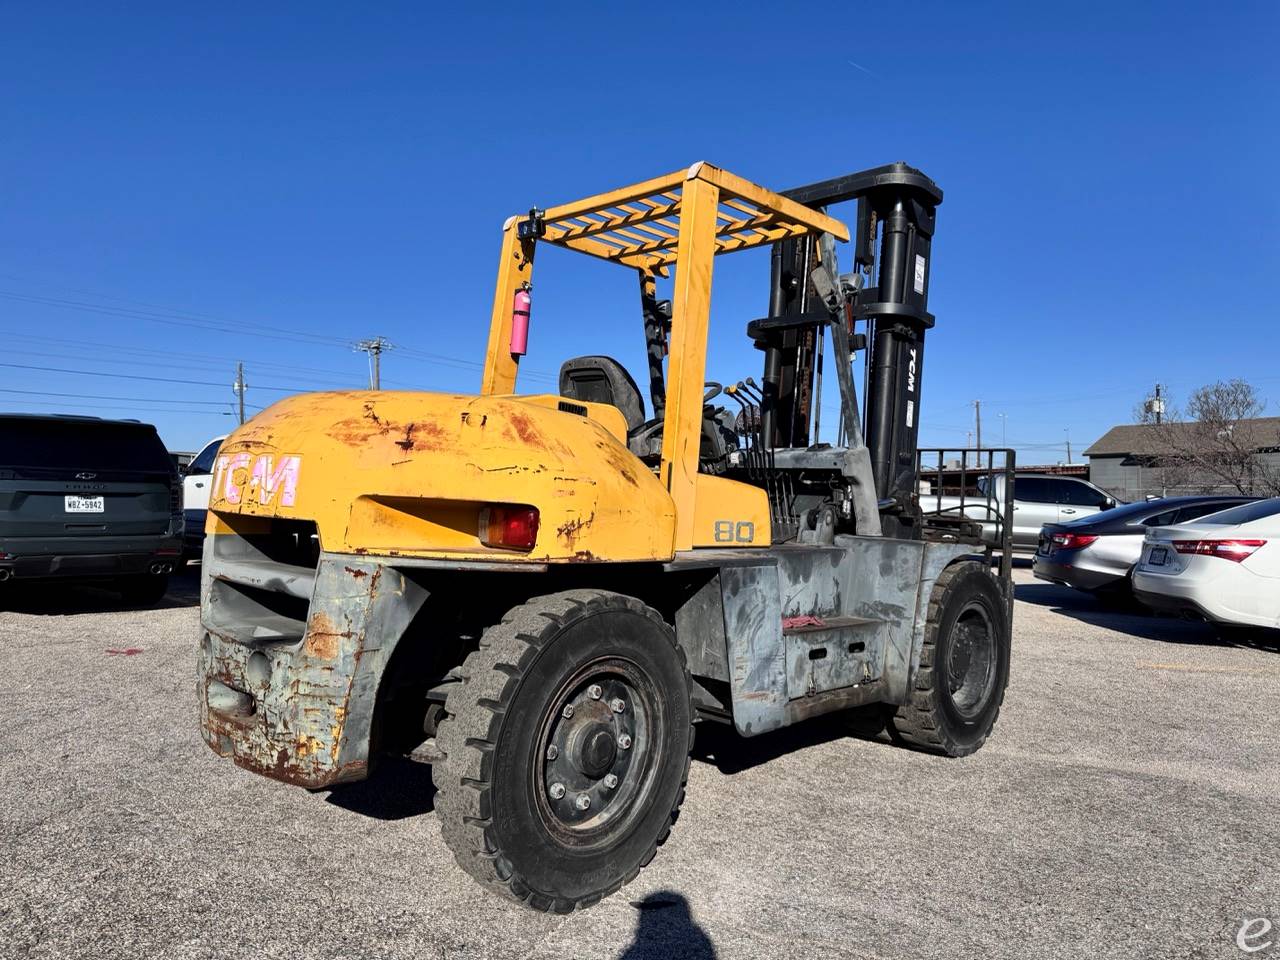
<point>1159,556</point>
<point>85,505</point>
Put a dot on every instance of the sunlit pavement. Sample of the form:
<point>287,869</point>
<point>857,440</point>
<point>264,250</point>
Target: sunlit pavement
<point>1124,807</point>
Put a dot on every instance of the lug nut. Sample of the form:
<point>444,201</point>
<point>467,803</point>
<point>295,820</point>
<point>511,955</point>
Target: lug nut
<point>582,802</point>
<point>594,691</point>
<point>610,780</point>
<point>624,741</point>
<point>552,752</point>
<point>567,711</point>
<point>556,791</point>
<point>617,705</point>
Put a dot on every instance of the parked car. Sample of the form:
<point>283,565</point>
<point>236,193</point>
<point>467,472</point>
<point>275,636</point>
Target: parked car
<point>82,498</point>
<point>1037,499</point>
<point>1224,567</point>
<point>196,479</point>
<point>1098,552</point>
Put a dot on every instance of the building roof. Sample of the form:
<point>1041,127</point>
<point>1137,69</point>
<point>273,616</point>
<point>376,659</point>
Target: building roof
<point>1144,439</point>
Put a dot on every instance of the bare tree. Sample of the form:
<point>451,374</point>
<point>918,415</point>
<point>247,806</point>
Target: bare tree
<point>1215,443</point>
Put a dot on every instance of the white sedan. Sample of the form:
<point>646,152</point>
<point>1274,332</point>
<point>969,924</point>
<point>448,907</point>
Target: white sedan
<point>1224,567</point>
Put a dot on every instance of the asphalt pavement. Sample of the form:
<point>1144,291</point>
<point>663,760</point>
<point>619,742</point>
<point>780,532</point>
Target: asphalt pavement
<point>1124,807</point>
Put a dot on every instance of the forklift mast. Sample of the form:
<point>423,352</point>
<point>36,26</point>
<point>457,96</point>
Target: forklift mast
<point>897,205</point>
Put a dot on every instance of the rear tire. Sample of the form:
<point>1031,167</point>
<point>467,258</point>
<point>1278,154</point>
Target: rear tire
<point>581,694</point>
<point>964,664</point>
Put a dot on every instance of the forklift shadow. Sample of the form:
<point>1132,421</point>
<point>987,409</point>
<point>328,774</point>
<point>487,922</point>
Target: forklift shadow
<point>666,930</point>
<point>722,747</point>
<point>397,789</point>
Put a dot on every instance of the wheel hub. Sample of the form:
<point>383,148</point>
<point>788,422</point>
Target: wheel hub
<point>971,662</point>
<point>593,748</point>
<point>596,748</point>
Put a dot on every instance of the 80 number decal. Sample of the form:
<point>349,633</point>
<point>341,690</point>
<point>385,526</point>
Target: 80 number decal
<point>728,531</point>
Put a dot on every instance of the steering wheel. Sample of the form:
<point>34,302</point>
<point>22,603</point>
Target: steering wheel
<point>713,390</point>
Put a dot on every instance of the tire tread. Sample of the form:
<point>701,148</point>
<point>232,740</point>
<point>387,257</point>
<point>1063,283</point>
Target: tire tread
<point>919,721</point>
<point>468,735</point>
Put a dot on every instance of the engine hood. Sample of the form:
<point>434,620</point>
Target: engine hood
<point>407,474</point>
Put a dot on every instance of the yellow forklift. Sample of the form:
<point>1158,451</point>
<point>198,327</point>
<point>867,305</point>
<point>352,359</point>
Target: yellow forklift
<point>541,594</point>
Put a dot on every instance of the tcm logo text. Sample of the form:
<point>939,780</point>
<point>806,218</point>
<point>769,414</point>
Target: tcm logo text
<point>242,477</point>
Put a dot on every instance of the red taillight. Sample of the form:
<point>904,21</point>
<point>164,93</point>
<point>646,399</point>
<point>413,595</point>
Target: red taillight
<point>1236,550</point>
<point>1072,540</point>
<point>515,528</point>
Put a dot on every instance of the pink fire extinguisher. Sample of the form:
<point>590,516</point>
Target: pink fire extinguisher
<point>520,308</point>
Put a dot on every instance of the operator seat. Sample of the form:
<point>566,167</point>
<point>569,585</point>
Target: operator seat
<point>603,380</point>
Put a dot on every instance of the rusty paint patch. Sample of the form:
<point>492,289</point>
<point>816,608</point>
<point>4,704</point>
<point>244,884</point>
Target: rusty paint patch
<point>358,574</point>
<point>571,529</point>
<point>323,637</point>
<point>123,652</point>
<point>407,442</point>
<point>526,429</point>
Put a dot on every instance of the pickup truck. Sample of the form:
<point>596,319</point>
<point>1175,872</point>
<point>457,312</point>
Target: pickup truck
<point>1038,499</point>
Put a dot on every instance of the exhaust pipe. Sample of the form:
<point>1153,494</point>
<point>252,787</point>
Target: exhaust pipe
<point>159,568</point>
<point>5,574</point>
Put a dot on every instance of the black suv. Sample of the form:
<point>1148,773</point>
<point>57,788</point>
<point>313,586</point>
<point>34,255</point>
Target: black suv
<point>88,499</point>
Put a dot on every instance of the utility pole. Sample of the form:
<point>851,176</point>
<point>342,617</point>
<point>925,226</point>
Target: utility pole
<point>375,347</point>
<point>1155,405</point>
<point>1067,431</point>
<point>238,387</point>
<point>977,419</point>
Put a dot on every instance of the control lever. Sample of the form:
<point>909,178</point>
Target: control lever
<point>831,287</point>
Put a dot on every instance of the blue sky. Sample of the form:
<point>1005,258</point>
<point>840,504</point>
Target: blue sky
<point>185,187</point>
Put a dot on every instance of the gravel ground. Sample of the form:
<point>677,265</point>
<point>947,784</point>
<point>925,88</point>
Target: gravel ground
<point>1123,808</point>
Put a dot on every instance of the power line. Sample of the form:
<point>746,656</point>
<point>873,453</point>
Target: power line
<point>135,376</point>
<point>206,413</point>
<point>187,364</point>
<point>99,396</point>
<point>201,359</point>
<point>239,328</point>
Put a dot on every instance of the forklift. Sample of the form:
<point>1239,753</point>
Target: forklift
<point>540,595</point>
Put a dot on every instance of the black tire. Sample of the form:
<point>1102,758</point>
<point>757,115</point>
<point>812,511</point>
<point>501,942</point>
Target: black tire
<point>964,664</point>
<point>496,786</point>
<point>143,591</point>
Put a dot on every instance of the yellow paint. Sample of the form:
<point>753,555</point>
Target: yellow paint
<point>398,473</point>
<point>686,365</point>
<point>728,513</point>
<point>401,473</point>
<point>515,267</point>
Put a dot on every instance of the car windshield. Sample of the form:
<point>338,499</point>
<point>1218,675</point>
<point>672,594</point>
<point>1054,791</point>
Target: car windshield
<point>1245,513</point>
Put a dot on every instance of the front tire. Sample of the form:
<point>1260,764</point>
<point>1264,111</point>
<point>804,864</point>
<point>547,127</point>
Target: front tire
<point>964,664</point>
<point>566,749</point>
